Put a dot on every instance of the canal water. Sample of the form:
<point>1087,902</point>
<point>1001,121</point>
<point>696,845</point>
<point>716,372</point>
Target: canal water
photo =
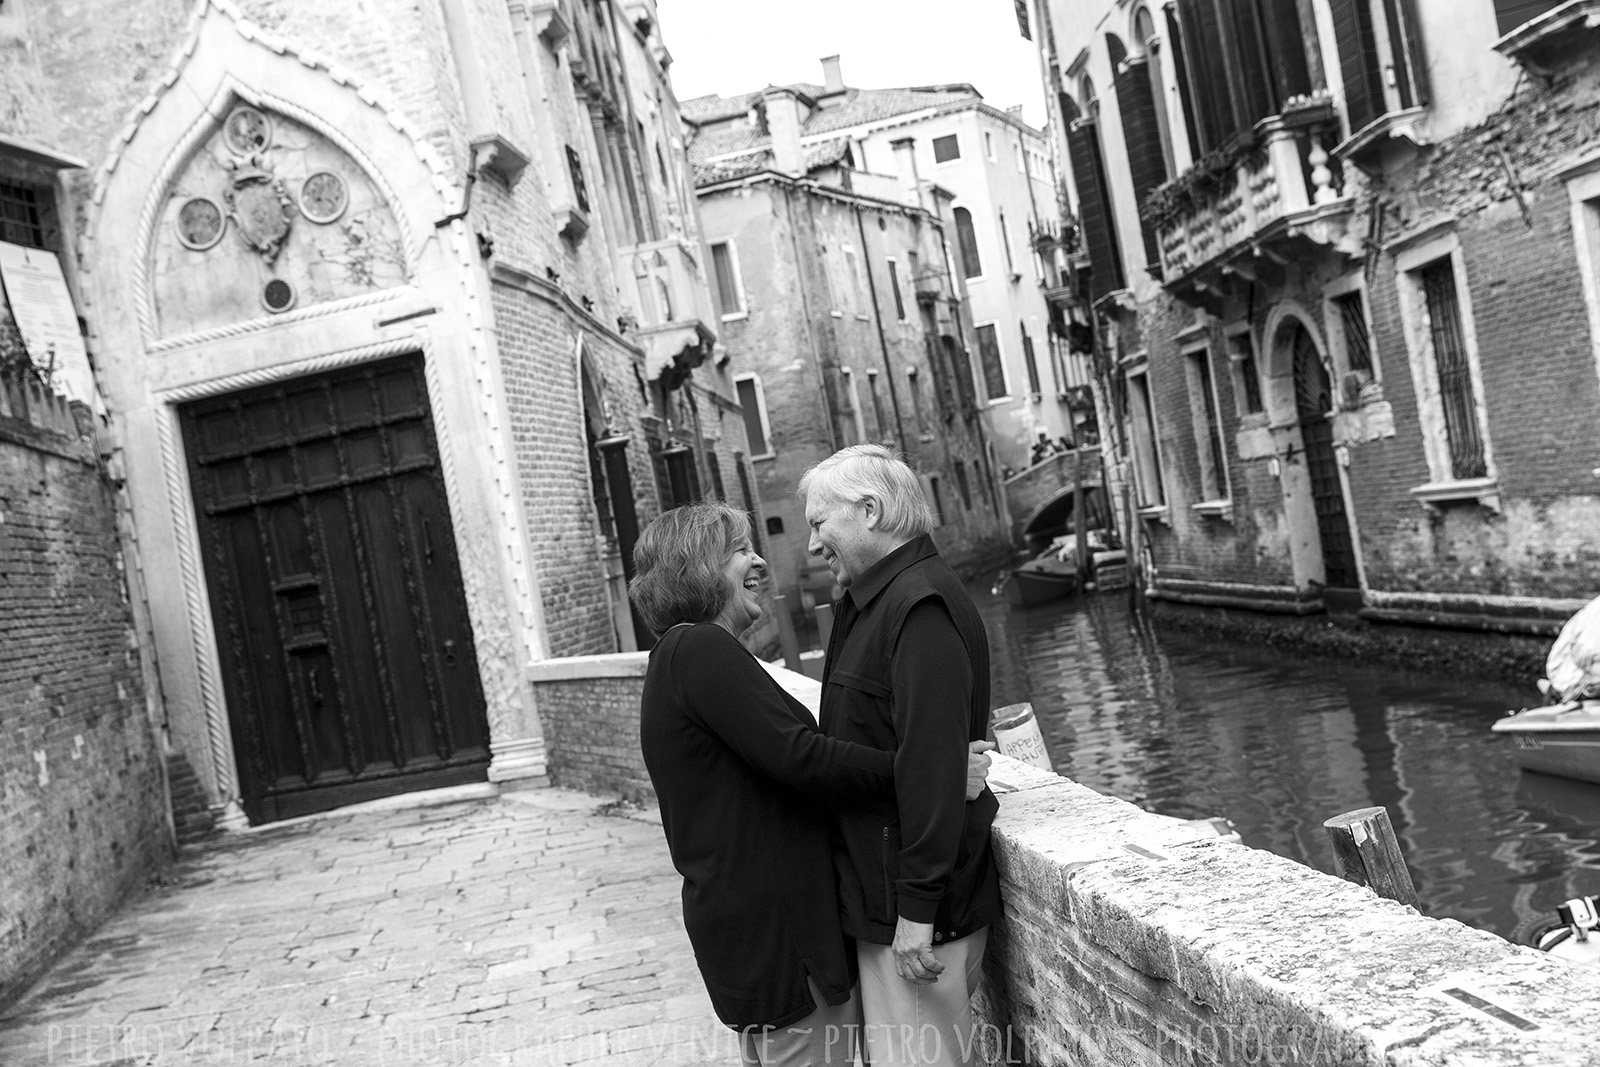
<point>1196,727</point>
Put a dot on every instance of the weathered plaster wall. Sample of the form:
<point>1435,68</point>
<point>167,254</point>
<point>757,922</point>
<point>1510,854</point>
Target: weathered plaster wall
<point>1129,940</point>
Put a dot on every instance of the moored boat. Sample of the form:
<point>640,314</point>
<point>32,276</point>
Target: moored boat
<point>1559,739</point>
<point>1044,578</point>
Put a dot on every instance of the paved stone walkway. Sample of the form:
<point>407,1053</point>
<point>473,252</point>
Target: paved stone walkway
<point>533,929</point>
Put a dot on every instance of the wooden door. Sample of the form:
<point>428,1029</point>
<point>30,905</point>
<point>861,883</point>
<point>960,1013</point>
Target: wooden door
<point>341,625</point>
<point>1314,400</point>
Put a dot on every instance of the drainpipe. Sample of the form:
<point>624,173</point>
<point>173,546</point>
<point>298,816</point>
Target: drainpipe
<point>883,341</point>
<point>805,311</point>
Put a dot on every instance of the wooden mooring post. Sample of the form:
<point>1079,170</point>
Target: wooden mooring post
<point>788,643</point>
<point>1365,848</point>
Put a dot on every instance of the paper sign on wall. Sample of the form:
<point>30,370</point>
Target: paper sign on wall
<point>37,293</point>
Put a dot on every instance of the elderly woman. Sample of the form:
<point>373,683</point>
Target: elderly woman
<point>739,770</point>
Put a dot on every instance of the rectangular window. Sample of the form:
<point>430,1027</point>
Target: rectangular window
<point>757,429</point>
<point>877,404</point>
<point>852,272</point>
<point>749,502</point>
<point>1353,320</point>
<point>1207,428</point>
<point>1017,156</point>
<point>994,371</point>
<point>1246,378</point>
<point>1030,363</point>
<point>918,412</point>
<point>894,285</point>
<point>22,215</point>
<point>714,468</point>
<point>1147,462</point>
<point>580,190</point>
<point>988,146</point>
<point>962,486</point>
<point>936,499</point>
<point>730,286</point>
<point>1453,367</point>
<point>960,372</point>
<point>852,404</point>
<point>946,149</point>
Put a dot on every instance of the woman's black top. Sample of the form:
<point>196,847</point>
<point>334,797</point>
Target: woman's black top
<point>740,773</point>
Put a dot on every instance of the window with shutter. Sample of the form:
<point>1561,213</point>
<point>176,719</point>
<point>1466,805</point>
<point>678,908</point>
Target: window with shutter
<point>1208,74</point>
<point>1094,205</point>
<point>1509,14</point>
<point>967,239</point>
<point>1358,59</point>
<point>1141,131</point>
<point>1180,68</point>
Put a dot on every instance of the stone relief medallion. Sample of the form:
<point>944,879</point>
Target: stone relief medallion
<point>259,205</point>
<point>323,197</point>
<point>247,131</point>
<point>200,223</point>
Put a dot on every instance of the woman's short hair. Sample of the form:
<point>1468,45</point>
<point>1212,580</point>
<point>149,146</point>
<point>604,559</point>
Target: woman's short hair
<point>678,561</point>
<point>852,474</point>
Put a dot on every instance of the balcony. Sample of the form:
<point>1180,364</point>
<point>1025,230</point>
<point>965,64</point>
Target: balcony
<point>1558,38</point>
<point>1227,222</point>
<point>664,285</point>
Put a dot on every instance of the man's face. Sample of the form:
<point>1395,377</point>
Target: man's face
<point>842,534</point>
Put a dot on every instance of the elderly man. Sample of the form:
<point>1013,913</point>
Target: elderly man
<point>907,670</point>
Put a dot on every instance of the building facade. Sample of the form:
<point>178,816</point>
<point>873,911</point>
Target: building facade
<point>1340,259</point>
<point>399,317</point>
<point>844,320</point>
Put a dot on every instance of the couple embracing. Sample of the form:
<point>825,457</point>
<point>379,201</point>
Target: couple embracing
<point>838,876</point>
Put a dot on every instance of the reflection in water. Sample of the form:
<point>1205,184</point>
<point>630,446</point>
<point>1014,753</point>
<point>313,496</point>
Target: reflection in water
<point>1196,727</point>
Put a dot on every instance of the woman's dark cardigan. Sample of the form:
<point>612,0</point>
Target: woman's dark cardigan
<point>740,771</point>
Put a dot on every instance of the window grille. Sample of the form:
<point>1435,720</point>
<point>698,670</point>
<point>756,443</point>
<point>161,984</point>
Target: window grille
<point>1454,371</point>
<point>21,216</point>
<point>1357,346</point>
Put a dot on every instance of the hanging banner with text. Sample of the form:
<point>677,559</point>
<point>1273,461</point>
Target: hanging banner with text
<point>42,308</point>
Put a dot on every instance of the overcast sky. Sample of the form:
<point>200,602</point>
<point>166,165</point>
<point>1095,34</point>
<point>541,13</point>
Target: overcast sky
<point>738,46</point>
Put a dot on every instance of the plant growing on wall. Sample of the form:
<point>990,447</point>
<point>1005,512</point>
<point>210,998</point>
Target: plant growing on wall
<point>1195,187</point>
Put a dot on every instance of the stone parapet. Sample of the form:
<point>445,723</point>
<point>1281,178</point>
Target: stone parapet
<point>1129,938</point>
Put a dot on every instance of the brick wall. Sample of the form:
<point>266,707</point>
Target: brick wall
<point>1130,939</point>
<point>82,803</point>
<point>590,711</point>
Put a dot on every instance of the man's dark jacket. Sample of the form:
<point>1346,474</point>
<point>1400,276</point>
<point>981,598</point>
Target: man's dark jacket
<point>908,671</point>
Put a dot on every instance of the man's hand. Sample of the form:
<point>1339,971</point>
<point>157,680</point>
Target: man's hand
<point>913,952</point>
<point>978,767</point>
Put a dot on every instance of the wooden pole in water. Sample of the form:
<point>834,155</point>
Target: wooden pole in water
<point>1365,848</point>
<point>1079,519</point>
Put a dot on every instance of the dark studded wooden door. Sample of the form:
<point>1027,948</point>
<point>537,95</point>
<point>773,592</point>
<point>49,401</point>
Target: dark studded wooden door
<point>1314,399</point>
<point>341,625</point>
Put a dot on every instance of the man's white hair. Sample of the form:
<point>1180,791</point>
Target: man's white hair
<point>852,474</point>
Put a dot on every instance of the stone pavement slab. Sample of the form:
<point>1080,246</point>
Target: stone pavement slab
<point>531,930</point>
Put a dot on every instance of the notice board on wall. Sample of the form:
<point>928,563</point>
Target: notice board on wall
<point>41,305</point>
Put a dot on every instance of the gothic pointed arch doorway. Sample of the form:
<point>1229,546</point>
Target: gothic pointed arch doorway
<point>1313,401</point>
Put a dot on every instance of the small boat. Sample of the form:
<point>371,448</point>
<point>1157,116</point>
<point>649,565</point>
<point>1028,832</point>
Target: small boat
<point>1575,935</point>
<point>1050,575</point>
<point>1559,739</point>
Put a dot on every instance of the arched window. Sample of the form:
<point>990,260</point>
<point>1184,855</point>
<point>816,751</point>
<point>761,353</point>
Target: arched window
<point>1139,106</point>
<point>1147,43</point>
<point>1094,203</point>
<point>967,241</point>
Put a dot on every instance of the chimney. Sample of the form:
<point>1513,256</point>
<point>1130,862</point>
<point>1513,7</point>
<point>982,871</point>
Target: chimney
<point>785,116</point>
<point>832,78</point>
<point>905,165</point>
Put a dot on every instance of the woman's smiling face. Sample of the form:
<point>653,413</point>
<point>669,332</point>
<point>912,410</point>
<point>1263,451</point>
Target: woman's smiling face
<point>743,572</point>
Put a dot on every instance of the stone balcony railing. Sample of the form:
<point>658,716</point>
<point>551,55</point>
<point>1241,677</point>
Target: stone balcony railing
<point>664,284</point>
<point>1281,192</point>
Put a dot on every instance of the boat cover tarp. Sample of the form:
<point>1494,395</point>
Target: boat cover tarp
<point>1573,668</point>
